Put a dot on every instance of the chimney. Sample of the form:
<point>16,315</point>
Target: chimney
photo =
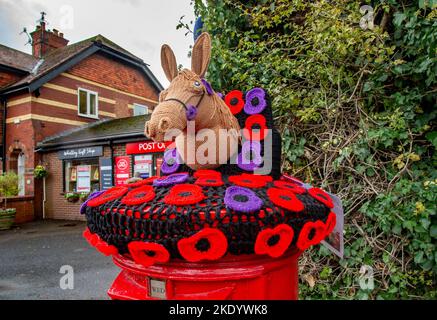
<point>44,41</point>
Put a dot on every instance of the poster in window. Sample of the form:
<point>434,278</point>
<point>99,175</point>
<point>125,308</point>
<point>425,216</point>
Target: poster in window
<point>83,178</point>
<point>143,166</point>
<point>73,174</point>
<point>122,170</point>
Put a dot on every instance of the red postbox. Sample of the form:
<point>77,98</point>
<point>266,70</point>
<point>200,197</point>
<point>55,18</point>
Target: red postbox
<point>247,277</point>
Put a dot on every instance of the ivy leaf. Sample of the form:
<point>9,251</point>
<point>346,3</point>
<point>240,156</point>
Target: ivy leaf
<point>433,231</point>
<point>432,137</point>
<point>399,17</point>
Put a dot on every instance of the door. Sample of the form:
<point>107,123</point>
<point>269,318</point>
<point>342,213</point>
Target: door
<point>20,172</point>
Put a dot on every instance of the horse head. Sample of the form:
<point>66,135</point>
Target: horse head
<point>191,98</point>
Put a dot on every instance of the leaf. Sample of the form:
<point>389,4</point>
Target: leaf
<point>310,280</point>
<point>432,137</point>
<point>418,258</point>
<point>399,17</point>
<point>433,231</point>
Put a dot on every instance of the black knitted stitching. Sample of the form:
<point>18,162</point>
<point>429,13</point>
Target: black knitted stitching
<point>156,225</point>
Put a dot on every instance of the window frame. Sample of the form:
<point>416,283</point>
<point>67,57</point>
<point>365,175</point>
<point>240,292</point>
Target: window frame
<point>88,105</point>
<point>64,173</point>
<point>141,106</point>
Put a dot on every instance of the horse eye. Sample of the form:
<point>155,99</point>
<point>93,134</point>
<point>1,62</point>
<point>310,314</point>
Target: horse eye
<point>196,83</point>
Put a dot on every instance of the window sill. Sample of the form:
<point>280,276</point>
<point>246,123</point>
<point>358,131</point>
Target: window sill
<point>88,116</point>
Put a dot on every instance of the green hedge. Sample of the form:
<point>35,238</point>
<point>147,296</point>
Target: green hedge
<point>357,111</point>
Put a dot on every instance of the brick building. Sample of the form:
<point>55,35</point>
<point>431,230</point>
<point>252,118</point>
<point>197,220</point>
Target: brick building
<point>105,153</point>
<point>61,88</point>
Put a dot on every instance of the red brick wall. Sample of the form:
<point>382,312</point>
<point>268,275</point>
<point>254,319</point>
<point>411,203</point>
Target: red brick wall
<point>24,206</point>
<point>115,74</point>
<point>57,207</point>
<point>7,78</point>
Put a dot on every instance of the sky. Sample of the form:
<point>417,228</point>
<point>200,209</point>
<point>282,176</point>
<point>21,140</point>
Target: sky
<point>139,26</point>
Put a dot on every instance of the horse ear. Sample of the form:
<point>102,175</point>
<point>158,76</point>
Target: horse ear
<point>201,54</point>
<point>168,62</point>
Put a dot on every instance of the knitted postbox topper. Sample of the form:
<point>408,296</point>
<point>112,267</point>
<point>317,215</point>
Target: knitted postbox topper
<point>198,210</point>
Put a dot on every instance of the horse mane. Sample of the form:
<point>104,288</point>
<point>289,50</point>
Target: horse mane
<point>224,115</point>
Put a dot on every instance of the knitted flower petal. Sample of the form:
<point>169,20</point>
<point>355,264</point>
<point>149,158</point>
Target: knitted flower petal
<point>174,178</point>
<point>274,242</point>
<point>250,156</point>
<point>234,100</point>
<point>148,253</point>
<point>207,244</point>
<point>255,101</point>
<point>172,161</point>
<point>242,199</point>
<point>184,194</point>
<point>285,199</point>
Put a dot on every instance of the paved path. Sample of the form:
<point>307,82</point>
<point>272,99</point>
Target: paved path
<point>31,257</point>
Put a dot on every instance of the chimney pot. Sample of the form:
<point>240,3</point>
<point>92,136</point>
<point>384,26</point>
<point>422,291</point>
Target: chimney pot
<point>55,31</point>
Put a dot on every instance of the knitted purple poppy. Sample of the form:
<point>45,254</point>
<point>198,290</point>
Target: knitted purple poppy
<point>242,199</point>
<point>91,196</point>
<point>174,178</point>
<point>207,87</point>
<point>171,162</point>
<point>191,112</point>
<point>255,101</point>
<point>250,156</point>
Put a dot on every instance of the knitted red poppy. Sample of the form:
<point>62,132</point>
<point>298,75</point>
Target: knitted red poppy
<point>255,128</point>
<point>274,242</point>
<point>266,178</point>
<point>184,194</point>
<point>139,195</point>
<point>141,182</point>
<point>321,196</point>
<point>248,180</point>
<point>209,181</point>
<point>312,233</point>
<point>105,248</point>
<point>206,173</point>
<point>234,100</point>
<point>92,238</point>
<point>207,244</point>
<point>330,223</point>
<point>285,199</point>
<point>108,195</point>
<point>148,253</point>
<point>290,186</point>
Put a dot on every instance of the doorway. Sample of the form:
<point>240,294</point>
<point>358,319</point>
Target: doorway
<point>17,164</point>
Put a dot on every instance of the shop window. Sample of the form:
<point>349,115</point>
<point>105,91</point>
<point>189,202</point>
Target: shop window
<point>82,175</point>
<point>140,109</point>
<point>88,105</point>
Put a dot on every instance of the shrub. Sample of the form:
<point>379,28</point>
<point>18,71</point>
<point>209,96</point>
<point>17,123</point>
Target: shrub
<point>9,184</point>
<point>356,108</point>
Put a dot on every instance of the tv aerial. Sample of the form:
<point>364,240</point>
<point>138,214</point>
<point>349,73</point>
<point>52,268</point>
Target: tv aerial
<point>29,38</point>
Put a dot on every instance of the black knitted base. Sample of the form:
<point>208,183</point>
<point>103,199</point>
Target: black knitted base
<point>167,224</point>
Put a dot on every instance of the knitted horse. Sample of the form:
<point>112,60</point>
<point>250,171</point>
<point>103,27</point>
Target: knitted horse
<point>190,97</point>
<point>202,211</point>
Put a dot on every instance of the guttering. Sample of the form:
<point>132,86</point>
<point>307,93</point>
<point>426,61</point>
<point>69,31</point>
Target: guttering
<point>67,145</point>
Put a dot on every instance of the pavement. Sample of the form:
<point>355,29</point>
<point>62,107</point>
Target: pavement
<point>33,255</point>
